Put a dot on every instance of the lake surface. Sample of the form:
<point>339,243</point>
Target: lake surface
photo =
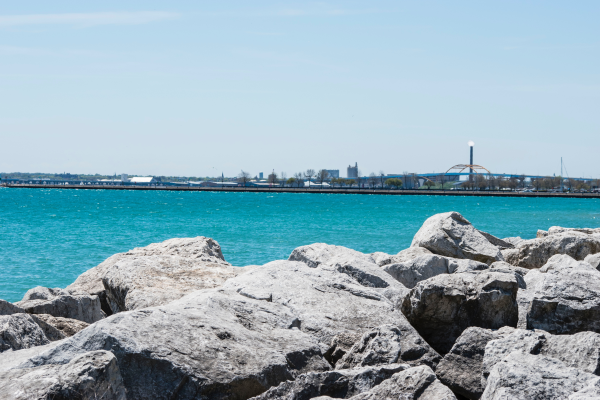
<point>50,236</point>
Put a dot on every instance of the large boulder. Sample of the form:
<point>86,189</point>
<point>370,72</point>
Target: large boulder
<point>93,375</point>
<point>317,254</point>
<point>522,376</point>
<point>588,231</point>
<point>19,331</point>
<point>416,383</point>
<point>340,384</point>
<point>200,250</point>
<point>211,344</point>
<point>411,272</point>
<point>535,253</point>
<point>7,308</point>
<point>450,234</point>
<point>442,307</point>
<point>563,297</point>
<point>461,368</point>
<point>388,344</point>
<point>579,351</point>
<point>145,281</point>
<point>62,303</point>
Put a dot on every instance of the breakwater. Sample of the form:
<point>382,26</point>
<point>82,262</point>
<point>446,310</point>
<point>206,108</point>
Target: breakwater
<point>396,192</point>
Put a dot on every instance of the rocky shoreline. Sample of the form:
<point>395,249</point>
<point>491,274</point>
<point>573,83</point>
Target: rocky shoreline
<point>460,314</point>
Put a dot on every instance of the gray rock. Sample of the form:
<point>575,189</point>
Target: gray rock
<point>515,241</point>
<point>504,266</point>
<point>535,253</point>
<point>593,260</point>
<point>93,375</point>
<point>590,392</point>
<point>210,344</point>
<point>321,253</point>
<point>405,255</point>
<point>62,303</point>
<point>19,331</point>
<point>450,234</point>
<point>442,307</point>
<point>57,328</point>
<point>340,344</point>
<point>528,377</point>
<point>136,282</point>
<point>332,299</point>
<point>417,383</point>
<point>201,249</point>
<point>389,344</point>
<point>340,384</point>
<point>579,351</point>
<point>409,273</point>
<point>563,296</point>
<point>541,234</point>
<point>461,368</point>
<point>7,308</point>
<point>588,231</point>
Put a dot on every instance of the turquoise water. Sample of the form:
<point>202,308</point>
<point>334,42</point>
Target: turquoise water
<point>49,237</point>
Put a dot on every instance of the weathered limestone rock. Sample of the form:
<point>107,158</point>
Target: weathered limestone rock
<point>588,231</point>
<point>405,255</point>
<point>210,344</point>
<point>340,344</point>
<point>579,351</point>
<point>541,234</point>
<point>62,303</point>
<point>593,260</point>
<point>528,377</point>
<point>515,241</point>
<point>57,328</point>
<point>417,383</point>
<point>144,281</point>
<point>93,375</point>
<point>340,384</point>
<point>19,331</point>
<point>388,344</point>
<point>358,266</point>
<point>7,308</point>
<point>329,300</point>
<point>504,266</point>
<point>411,272</point>
<point>200,249</point>
<point>563,296</point>
<point>450,234</point>
<point>461,368</point>
<point>535,253</point>
<point>442,307</point>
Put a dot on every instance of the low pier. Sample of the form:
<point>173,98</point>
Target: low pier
<point>278,189</point>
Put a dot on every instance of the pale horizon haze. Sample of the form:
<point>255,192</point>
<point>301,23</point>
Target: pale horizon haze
<point>202,88</point>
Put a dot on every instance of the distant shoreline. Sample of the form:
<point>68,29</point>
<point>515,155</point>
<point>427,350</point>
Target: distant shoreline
<point>398,192</point>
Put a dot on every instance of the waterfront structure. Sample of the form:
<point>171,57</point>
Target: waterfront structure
<point>333,173</point>
<point>142,179</point>
<point>260,175</point>
<point>352,172</point>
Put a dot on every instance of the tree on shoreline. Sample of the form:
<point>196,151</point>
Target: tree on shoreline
<point>244,177</point>
<point>395,182</point>
<point>322,176</point>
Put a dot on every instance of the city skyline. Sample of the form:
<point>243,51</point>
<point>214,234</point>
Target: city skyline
<point>200,89</point>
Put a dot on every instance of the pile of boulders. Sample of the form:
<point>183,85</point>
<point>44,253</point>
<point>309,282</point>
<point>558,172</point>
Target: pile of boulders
<point>460,314</point>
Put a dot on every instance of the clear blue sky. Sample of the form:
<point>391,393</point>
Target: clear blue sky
<point>196,88</point>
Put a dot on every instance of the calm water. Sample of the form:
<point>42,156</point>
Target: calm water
<point>49,237</point>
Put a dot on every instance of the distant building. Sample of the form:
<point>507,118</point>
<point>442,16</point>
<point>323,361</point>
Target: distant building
<point>124,177</point>
<point>352,171</point>
<point>260,175</point>
<point>142,179</point>
<point>333,173</point>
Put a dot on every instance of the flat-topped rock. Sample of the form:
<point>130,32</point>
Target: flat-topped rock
<point>136,282</point>
<point>93,375</point>
<point>57,328</point>
<point>442,307</point>
<point>450,234</point>
<point>522,376</point>
<point>7,308</point>
<point>62,303</point>
<point>535,253</point>
<point>405,255</point>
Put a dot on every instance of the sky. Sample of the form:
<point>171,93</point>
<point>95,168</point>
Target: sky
<point>198,88</point>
